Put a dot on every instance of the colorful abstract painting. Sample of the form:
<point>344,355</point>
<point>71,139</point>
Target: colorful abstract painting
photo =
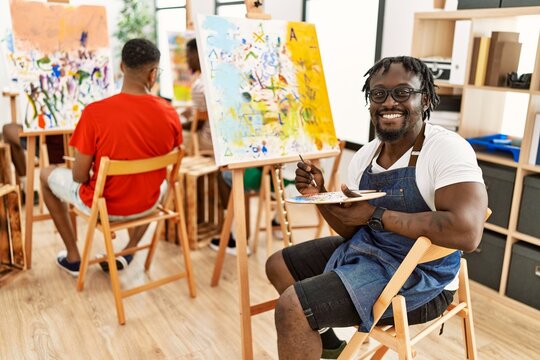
<point>181,74</point>
<point>266,92</point>
<point>59,55</point>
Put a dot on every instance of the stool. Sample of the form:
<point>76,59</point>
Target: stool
<point>11,239</point>
<point>204,211</point>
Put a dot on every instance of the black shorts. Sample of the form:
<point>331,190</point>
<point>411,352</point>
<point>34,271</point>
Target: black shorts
<point>325,299</point>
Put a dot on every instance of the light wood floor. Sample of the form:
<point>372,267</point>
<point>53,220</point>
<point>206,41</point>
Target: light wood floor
<point>44,317</point>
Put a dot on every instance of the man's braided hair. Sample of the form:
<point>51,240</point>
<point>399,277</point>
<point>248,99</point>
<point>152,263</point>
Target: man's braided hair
<point>412,65</point>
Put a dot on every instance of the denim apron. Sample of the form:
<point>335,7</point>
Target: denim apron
<point>367,261</point>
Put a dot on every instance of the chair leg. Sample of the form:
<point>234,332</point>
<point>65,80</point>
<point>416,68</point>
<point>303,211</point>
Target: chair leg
<point>159,227</point>
<point>111,259</point>
<point>353,346</point>
<point>380,353</point>
<point>181,228</point>
<point>87,248</point>
<point>402,328</point>
<point>464,295</point>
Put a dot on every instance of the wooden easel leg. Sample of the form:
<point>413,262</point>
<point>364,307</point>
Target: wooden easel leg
<point>29,207</point>
<point>268,211</point>
<point>261,203</point>
<point>242,265</point>
<point>281,206</point>
<point>223,240</point>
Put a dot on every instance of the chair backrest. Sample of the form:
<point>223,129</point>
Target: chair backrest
<point>422,251</point>
<point>108,167</point>
<point>436,252</point>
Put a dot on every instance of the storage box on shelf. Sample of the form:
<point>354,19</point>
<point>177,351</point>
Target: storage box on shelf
<point>483,110</point>
<point>528,222</point>
<point>524,277</point>
<point>499,182</point>
<point>485,263</point>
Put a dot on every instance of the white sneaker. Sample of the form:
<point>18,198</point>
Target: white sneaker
<point>231,246</point>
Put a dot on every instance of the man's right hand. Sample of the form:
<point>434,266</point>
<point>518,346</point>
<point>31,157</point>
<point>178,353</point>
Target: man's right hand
<point>309,179</point>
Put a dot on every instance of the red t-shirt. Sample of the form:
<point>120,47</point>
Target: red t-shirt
<point>127,127</point>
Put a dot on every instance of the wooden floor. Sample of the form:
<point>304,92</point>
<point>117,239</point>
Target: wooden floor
<point>44,317</point>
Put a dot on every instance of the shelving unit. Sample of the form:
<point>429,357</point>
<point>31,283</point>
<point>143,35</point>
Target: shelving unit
<point>482,106</point>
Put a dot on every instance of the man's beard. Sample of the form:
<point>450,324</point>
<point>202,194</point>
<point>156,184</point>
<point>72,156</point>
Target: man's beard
<point>390,135</point>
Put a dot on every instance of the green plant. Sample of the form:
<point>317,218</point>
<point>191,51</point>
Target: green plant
<point>136,20</point>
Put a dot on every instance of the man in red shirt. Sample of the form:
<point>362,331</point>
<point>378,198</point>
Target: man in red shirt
<point>130,125</point>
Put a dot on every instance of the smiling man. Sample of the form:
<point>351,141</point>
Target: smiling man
<point>434,188</point>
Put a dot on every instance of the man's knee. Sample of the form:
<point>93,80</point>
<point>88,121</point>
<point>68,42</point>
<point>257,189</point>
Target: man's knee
<point>274,267</point>
<point>44,175</point>
<point>10,134</point>
<point>288,308</point>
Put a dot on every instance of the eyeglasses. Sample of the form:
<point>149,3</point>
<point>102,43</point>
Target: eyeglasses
<point>399,94</point>
<point>159,71</point>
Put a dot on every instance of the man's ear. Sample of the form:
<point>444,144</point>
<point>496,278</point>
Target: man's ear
<point>152,75</point>
<point>122,67</point>
<point>425,102</point>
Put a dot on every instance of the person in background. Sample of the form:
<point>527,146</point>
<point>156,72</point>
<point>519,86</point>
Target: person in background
<point>130,125</point>
<point>197,99</point>
<point>433,187</point>
<point>10,135</point>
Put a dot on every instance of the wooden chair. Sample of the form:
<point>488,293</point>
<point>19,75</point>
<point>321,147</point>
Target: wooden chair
<point>99,219</point>
<point>397,337</point>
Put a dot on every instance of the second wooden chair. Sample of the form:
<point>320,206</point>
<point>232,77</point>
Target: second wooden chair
<point>99,219</point>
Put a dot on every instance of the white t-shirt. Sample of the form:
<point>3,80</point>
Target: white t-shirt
<point>446,158</point>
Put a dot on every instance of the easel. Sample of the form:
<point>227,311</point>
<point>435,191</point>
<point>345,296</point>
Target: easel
<point>29,208</point>
<point>32,137</point>
<point>236,204</point>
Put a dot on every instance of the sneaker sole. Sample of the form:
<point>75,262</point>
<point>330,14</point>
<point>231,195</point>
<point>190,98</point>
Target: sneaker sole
<point>228,250</point>
<point>70,272</point>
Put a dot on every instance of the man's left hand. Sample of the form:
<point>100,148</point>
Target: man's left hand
<point>352,213</point>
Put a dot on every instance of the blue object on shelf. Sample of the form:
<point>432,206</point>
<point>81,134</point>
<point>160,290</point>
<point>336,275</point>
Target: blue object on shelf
<point>497,142</point>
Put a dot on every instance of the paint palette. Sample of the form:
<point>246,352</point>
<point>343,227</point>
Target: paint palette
<point>335,197</point>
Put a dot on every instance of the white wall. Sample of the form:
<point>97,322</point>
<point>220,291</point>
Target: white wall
<point>398,25</point>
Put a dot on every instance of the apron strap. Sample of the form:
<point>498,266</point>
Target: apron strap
<point>417,146</point>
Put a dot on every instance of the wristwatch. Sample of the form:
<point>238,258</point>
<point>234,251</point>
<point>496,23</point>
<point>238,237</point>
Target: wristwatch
<point>375,223</point>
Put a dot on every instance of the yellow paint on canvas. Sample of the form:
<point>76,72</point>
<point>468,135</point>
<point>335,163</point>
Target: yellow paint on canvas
<point>303,48</point>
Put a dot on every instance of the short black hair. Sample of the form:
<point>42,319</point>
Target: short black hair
<point>139,52</point>
<point>192,45</point>
<point>410,64</point>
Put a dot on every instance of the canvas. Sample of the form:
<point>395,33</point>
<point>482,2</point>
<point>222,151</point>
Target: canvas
<point>181,74</point>
<point>265,89</point>
<point>59,55</point>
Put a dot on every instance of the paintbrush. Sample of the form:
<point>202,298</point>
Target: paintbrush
<point>312,178</point>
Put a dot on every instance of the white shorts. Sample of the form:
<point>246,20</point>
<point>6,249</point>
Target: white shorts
<point>62,185</point>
